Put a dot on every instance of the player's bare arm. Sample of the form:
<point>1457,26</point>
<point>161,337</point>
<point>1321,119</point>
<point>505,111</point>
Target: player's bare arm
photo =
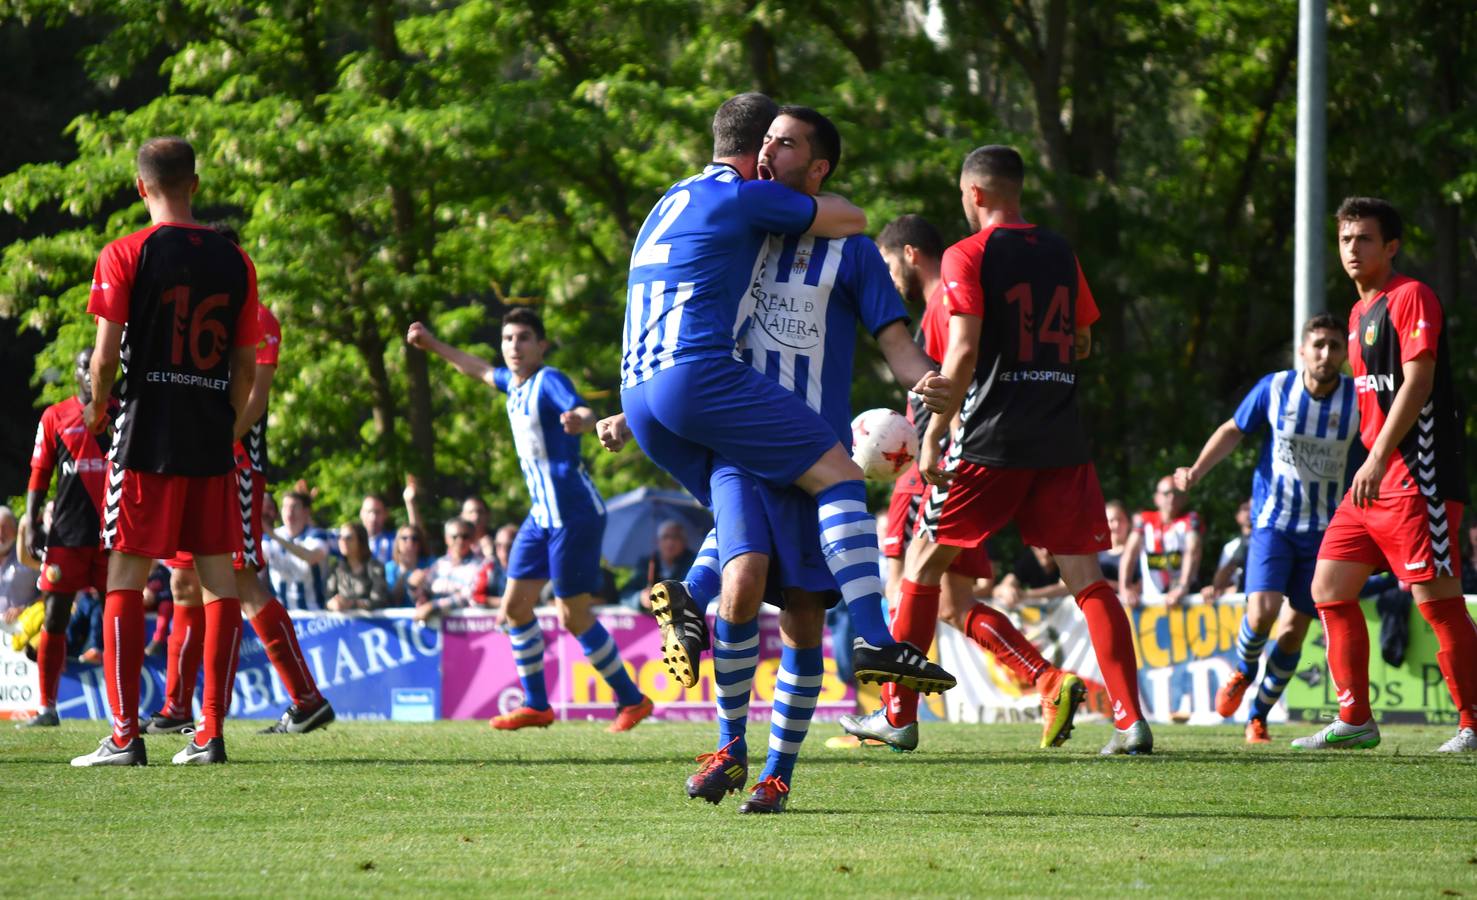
<point>256,403</point>
<point>311,557</point>
<point>837,217</point>
<point>1082,343</point>
<point>1220,444</point>
<point>613,432</point>
<point>959,362</point>
<point>911,366</point>
<point>106,351</point>
<point>1420,376</point>
<point>578,420</point>
<point>243,376</point>
<point>421,337</point>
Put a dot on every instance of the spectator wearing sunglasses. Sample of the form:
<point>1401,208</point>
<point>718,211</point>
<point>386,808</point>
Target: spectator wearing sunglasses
<point>356,580</point>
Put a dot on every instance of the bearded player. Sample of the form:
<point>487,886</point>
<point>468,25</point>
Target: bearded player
<point>74,560</point>
<point>1406,500</point>
<point>176,305</point>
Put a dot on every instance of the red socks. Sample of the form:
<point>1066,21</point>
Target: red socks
<point>1348,657</point>
<point>274,626</point>
<point>186,646</point>
<point>51,657</point>
<point>994,631</point>
<point>163,616</point>
<point>123,658</point>
<point>1112,643</point>
<point>222,648</point>
<point>917,617</point>
<point>1457,637</point>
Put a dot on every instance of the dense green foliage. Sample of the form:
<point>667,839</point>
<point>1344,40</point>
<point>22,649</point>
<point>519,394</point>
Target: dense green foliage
<point>390,161</point>
<point>454,808</point>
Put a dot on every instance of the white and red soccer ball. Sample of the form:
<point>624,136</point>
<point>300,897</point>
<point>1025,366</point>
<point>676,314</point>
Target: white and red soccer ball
<point>883,443</point>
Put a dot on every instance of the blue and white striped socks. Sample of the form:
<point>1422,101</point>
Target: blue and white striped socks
<point>849,542</point>
<point>1249,646</point>
<point>1281,666</point>
<point>704,579</point>
<point>605,656</point>
<point>795,693</point>
<point>528,656</point>
<point>735,656</point>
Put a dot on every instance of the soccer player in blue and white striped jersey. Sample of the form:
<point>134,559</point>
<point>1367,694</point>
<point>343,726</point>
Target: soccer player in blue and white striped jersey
<point>688,398</point>
<point>560,538</point>
<point>1312,420</point>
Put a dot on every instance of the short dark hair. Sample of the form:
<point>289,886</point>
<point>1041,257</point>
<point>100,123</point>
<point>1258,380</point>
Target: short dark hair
<point>1322,322</point>
<point>825,140</point>
<point>912,230</point>
<point>1355,208</point>
<point>227,231</point>
<point>474,498</point>
<point>300,497</point>
<point>522,315</point>
<point>166,163</point>
<point>996,161</point>
<point>740,123</point>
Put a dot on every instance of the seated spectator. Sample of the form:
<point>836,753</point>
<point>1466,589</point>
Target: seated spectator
<point>454,575</point>
<point>1120,525</point>
<point>1166,543</point>
<point>376,523</point>
<point>408,571</point>
<point>85,630</point>
<point>1037,576</point>
<point>492,578</point>
<point>356,580</point>
<point>296,557</point>
<point>1230,569</point>
<point>671,560</point>
<point>17,581</point>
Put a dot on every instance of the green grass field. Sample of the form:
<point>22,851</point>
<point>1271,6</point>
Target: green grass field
<point>455,808</point>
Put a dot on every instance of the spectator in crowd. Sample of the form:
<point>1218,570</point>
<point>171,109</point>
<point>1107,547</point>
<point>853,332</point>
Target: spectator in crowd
<point>1034,576</point>
<point>376,524</point>
<point>17,581</point>
<point>475,513</point>
<point>1166,542</point>
<point>671,561</point>
<point>1120,526</point>
<point>85,628</point>
<point>492,578</point>
<point>296,556</point>
<point>356,580</point>
<point>157,597</point>
<point>408,571</point>
<point>454,575</point>
<point>1230,569</point>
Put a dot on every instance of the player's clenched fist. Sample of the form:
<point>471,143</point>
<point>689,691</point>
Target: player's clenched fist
<point>613,432</point>
<point>934,390</point>
<point>1184,478</point>
<point>418,336</point>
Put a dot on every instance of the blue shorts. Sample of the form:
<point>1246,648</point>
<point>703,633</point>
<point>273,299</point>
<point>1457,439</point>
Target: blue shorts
<point>1283,561</point>
<point>781,523</point>
<point>687,416</point>
<point>570,555</point>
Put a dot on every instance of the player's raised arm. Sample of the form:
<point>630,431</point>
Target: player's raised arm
<point>1218,447</point>
<point>419,336</point>
<point>837,217</point>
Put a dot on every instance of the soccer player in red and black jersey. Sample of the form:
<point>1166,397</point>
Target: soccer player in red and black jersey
<point>913,250</point>
<point>270,621</point>
<point>74,559</point>
<point>1406,500</point>
<point>176,305</point>
<point>1020,317</point>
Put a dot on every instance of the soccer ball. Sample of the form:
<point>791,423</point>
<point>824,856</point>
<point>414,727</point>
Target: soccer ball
<point>883,443</point>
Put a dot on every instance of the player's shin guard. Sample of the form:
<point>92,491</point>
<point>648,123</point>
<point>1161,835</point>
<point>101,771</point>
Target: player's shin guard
<point>274,627</point>
<point>915,621</point>
<point>795,692</point>
<point>51,657</point>
<point>735,657</point>
<point>1348,657</point>
<point>222,652</point>
<point>704,579</point>
<point>1281,666</point>
<point>528,657</point>
<point>994,631</point>
<point>186,646</point>
<point>123,657</point>
<point>1457,638</point>
<point>1249,646</point>
<point>849,543</point>
<point>605,656</point>
<point>1112,643</point>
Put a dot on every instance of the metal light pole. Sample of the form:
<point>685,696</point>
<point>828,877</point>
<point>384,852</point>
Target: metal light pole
<point>1312,187</point>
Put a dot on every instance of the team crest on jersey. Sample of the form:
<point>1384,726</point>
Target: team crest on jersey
<point>1369,334</point>
<point>801,263</point>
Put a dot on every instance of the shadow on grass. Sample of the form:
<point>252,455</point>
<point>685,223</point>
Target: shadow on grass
<point>872,813</point>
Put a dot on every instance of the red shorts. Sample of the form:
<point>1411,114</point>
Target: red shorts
<point>902,522</point>
<point>76,569</point>
<point>1060,510</point>
<point>1416,540</point>
<point>157,515</point>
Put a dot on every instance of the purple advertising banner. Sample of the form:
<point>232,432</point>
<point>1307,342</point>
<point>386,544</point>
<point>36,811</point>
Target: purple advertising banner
<point>479,680</point>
